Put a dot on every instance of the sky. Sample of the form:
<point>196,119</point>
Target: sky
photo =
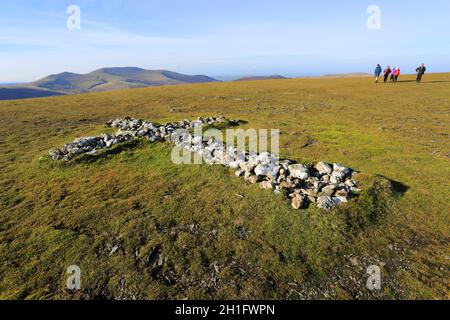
<point>226,38</point>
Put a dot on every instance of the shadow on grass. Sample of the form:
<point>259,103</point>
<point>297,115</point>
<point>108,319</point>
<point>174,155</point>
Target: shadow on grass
<point>126,146</point>
<point>437,81</point>
<point>423,81</point>
<point>398,187</point>
<point>373,204</point>
<point>46,162</point>
<point>225,125</point>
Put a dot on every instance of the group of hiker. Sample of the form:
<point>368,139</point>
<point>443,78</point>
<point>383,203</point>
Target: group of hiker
<point>394,73</point>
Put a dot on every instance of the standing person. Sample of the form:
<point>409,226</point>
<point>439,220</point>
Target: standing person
<point>387,72</point>
<point>393,74</point>
<point>396,74</point>
<point>420,72</point>
<point>378,71</point>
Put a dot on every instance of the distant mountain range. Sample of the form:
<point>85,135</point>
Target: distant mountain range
<point>255,78</point>
<point>105,79</point>
<point>108,79</point>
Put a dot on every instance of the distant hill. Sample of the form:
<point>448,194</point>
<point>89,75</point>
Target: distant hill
<point>261,78</point>
<point>14,93</point>
<point>106,79</point>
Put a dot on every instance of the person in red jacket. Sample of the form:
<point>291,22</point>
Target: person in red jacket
<point>396,74</point>
<point>387,72</point>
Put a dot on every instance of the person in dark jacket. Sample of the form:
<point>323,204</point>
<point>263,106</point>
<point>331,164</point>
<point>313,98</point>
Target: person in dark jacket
<point>420,72</point>
<point>387,72</point>
<point>378,71</point>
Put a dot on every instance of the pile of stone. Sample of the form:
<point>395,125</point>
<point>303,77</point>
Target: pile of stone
<point>325,185</point>
<point>88,145</point>
<point>128,129</point>
<point>140,128</point>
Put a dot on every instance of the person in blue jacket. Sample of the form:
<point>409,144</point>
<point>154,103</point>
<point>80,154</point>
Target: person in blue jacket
<point>378,71</point>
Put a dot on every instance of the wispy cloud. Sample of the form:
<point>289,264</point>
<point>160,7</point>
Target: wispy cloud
<point>89,35</point>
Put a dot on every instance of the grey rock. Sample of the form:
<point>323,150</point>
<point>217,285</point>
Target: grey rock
<point>252,179</point>
<point>114,250</point>
<point>239,173</point>
<point>277,190</point>
<point>309,192</point>
<point>326,192</point>
<point>340,200</point>
<point>267,170</point>
<point>338,167</point>
<point>326,203</point>
<point>354,261</point>
<point>287,185</point>
<point>337,177</point>
<point>266,158</point>
<point>341,193</point>
<point>350,183</point>
<point>299,171</point>
<point>281,178</point>
<point>267,184</point>
<point>299,202</point>
<point>324,168</point>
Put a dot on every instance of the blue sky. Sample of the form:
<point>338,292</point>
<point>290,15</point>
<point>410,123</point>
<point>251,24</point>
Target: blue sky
<point>222,38</point>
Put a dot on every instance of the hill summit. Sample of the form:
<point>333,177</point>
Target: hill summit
<point>105,79</point>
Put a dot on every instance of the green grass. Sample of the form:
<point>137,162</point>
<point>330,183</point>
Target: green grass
<point>54,215</point>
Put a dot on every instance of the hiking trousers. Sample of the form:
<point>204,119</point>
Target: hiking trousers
<point>419,77</point>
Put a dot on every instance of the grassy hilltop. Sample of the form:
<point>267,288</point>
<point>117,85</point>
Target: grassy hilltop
<point>142,227</point>
<point>101,80</point>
